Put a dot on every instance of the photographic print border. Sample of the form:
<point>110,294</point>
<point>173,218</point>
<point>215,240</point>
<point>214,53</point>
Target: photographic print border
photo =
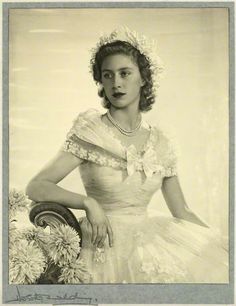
<point>126,293</point>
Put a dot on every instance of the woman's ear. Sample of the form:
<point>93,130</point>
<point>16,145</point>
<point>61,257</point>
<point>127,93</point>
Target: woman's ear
<point>101,91</point>
<point>143,83</point>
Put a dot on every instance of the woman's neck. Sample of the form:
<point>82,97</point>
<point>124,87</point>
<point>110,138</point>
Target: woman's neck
<point>126,118</point>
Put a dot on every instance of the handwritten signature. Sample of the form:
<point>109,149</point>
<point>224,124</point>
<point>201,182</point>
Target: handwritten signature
<point>43,297</point>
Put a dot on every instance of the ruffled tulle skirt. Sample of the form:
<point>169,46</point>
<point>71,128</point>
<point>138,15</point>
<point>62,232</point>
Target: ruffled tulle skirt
<point>155,250</point>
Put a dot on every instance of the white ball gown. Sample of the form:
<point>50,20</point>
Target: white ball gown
<point>123,180</point>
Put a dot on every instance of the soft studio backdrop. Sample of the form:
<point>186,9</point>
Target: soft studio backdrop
<point>50,84</point>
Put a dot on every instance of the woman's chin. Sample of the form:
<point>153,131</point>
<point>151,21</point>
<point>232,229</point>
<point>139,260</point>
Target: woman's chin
<point>119,103</point>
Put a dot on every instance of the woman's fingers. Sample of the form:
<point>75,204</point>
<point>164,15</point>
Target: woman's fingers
<point>110,235</point>
<point>94,234</point>
<point>101,233</point>
<point>100,226</point>
<point>104,235</point>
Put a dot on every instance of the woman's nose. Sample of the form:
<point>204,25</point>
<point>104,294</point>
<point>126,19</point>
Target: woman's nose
<point>116,81</point>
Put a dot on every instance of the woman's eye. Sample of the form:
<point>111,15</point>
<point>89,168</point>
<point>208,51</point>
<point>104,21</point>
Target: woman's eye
<point>125,73</point>
<point>107,75</point>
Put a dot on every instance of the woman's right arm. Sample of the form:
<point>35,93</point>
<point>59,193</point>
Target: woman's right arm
<point>43,187</point>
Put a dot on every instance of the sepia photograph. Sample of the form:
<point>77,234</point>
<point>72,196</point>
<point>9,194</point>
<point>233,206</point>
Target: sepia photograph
<point>119,147</point>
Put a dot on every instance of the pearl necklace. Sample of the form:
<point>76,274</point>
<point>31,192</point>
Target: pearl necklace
<point>122,130</point>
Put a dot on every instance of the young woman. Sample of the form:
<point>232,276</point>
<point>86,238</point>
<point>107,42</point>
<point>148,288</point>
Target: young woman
<point>123,161</point>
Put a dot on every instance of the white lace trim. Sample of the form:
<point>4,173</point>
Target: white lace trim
<point>102,159</point>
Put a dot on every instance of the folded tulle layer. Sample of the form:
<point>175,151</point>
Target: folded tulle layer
<point>156,250</point>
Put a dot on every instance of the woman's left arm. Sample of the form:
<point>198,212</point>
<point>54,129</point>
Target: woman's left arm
<point>176,203</point>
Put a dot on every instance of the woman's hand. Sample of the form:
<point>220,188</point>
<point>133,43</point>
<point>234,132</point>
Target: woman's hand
<point>100,224</point>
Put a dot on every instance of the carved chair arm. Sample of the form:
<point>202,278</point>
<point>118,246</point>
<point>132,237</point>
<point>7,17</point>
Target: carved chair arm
<point>51,214</point>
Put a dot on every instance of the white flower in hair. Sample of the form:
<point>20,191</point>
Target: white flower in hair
<point>147,47</point>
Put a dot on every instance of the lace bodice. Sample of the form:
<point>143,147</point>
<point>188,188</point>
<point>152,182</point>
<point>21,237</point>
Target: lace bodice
<point>114,174</point>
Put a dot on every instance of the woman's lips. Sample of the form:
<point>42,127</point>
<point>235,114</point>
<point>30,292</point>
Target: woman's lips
<point>118,94</point>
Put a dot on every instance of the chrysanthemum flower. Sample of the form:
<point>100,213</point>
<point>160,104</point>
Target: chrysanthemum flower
<point>17,201</point>
<point>35,234</point>
<point>63,245</point>
<point>26,263</point>
<point>38,236</point>
<point>75,273</point>
<point>15,235</point>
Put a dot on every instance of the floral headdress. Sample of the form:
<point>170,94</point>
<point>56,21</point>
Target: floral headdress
<point>145,46</point>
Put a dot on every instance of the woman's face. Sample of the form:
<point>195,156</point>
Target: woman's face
<point>121,80</point>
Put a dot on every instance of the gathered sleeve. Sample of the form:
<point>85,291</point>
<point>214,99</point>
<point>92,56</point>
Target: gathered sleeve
<point>72,143</point>
<point>88,140</point>
<point>166,154</point>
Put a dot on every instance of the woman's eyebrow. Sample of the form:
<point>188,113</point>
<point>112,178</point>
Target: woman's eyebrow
<point>122,68</point>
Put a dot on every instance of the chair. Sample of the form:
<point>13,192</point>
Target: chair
<point>52,214</point>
